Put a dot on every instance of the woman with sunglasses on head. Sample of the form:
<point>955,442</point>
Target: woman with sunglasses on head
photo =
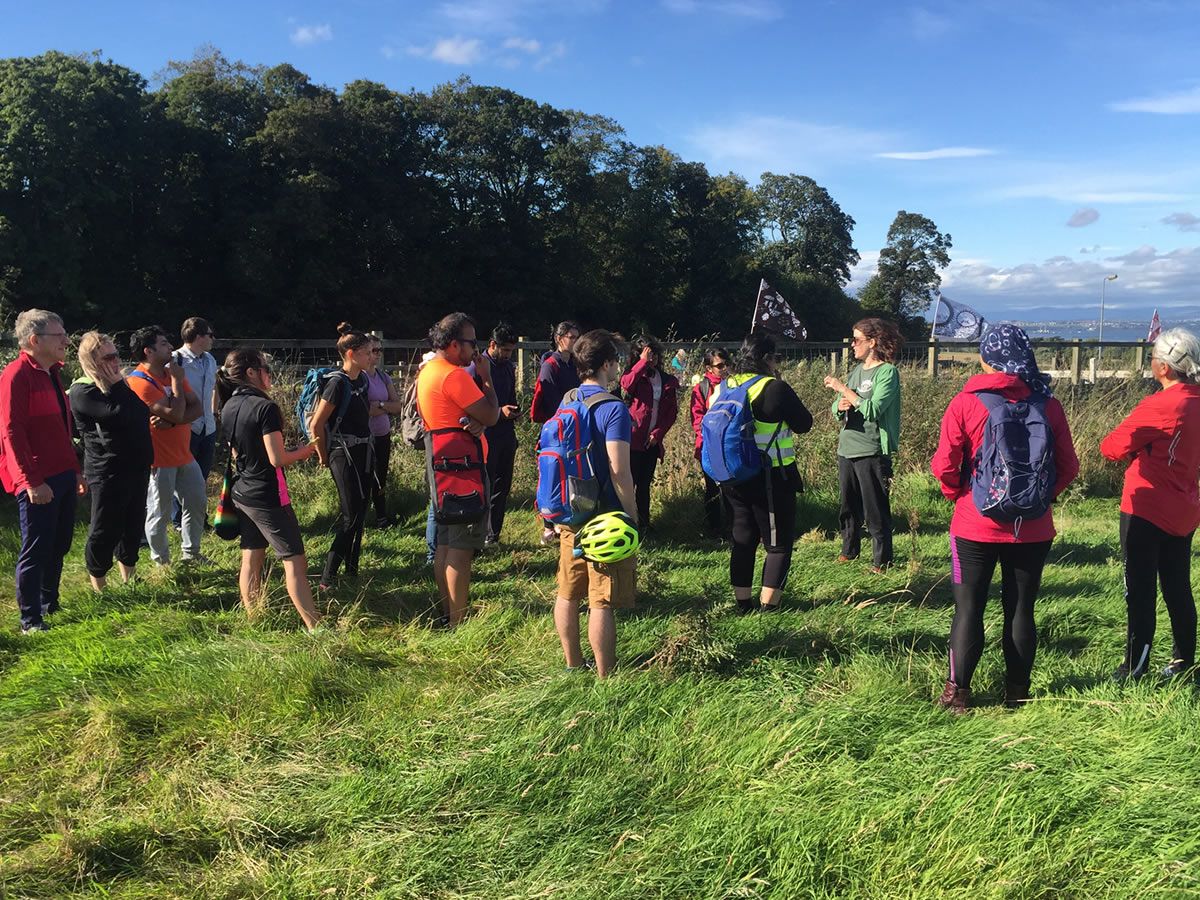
<point>868,406</point>
<point>252,426</point>
<point>384,402</point>
<point>652,394</point>
<point>341,432</point>
<point>1160,504</point>
<point>114,424</point>
<point>706,389</point>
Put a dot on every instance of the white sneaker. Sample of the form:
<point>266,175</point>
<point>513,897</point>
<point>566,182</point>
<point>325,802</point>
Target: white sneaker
<point>198,560</point>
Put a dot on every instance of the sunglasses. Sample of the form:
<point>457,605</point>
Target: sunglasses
<point>473,343</point>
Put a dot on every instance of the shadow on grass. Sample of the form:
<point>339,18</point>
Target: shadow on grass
<point>1072,553</point>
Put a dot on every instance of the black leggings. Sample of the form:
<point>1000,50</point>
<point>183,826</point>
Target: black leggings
<point>118,520</point>
<point>353,477</point>
<point>1149,554</point>
<point>757,517</point>
<point>864,486</point>
<point>383,456</point>
<point>973,564</point>
<point>642,464</point>
<point>716,508</point>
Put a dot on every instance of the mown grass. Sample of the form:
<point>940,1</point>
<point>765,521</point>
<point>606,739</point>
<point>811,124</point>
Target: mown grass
<point>156,743</point>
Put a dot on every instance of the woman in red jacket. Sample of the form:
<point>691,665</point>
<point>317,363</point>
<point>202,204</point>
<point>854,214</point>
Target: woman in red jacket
<point>1160,505</point>
<point>652,395</point>
<point>978,542</point>
<point>716,367</point>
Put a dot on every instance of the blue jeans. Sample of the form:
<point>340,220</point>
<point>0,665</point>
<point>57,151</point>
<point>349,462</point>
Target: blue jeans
<point>203,450</point>
<point>430,535</point>
<point>46,530</point>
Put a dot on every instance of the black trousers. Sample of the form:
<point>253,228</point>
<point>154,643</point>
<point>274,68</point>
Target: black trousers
<point>973,565</point>
<point>716,508</point>
<point>642,464</point>
<point>763,511</point>
<point>353,475</point>
<point>1151,554</point>
<point>383,457</point>
<point>502,453</point>
<point>118,520</point>
<point>865,485</point>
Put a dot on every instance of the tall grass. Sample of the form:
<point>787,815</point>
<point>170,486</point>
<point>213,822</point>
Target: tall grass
<point>156,743</point>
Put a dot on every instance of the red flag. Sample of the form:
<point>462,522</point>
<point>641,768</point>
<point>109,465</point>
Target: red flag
<point>1155,328</point>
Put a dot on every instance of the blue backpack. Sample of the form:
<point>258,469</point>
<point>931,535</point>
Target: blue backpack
<point>310,393</point>
<point>568,487</point>
<point>1013,474</point>
<point>728,451</point>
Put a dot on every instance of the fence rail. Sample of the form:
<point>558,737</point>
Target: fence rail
<point>1076,360</point>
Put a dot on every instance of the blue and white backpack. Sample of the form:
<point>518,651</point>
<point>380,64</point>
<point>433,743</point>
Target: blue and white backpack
<point>310,393</point>
<point>568,487</point>
<point>1013,475</point>
<point>728,452</point>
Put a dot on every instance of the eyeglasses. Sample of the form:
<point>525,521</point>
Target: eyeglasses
<point>377,351</point>
<point>474,343</point>
<point>52,334</point>
<point>859,340</point>
<point>111,357</point>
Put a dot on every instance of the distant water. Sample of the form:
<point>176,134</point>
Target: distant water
<point>1086,328</point>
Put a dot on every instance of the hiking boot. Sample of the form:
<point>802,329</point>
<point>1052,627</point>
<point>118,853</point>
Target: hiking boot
<point>1121,674</point>
<point>35,627</point>
<point>1177,668</point>
<point>745,607</point>
<point>954,699</point>
<point>842,557</point>
<point>198,559</point>
<point>1015,695</point>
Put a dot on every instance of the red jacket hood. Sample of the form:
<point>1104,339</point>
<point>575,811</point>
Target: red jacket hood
<point>713,378</point>
<point>1011,386</point>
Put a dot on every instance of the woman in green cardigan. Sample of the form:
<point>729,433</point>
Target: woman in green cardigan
<point>868,405</point>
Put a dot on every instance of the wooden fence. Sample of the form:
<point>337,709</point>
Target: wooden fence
<point>1076,361</point>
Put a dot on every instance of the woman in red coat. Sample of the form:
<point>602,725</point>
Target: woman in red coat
<point>1160,505</point>
<point>978,542</point>
<point>652,395</point>
<point>716,367</point>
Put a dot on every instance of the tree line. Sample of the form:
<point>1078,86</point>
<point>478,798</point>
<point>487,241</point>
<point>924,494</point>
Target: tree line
<point>275,206</point>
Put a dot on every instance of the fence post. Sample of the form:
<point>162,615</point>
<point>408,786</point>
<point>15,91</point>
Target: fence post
<point>933,358</point>
<point>1092,370</point>
<point>833,369</point>
<point>845,354</point>
<point>1076,359</point>
<point>521,363</point>
<point>1139,359</point>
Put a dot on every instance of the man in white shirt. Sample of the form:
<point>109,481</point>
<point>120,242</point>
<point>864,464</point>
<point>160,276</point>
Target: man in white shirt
<point>200,368</point>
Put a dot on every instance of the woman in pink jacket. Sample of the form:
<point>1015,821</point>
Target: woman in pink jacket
<point>978,542</point>
<point>716,367</point>
<point>652,395</point>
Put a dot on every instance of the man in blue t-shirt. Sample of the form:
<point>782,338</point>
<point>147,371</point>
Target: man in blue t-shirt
<point>607,586</point>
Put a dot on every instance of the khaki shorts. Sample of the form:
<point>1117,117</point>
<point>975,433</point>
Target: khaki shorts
<point>463,537</point>
<point>605,585</point>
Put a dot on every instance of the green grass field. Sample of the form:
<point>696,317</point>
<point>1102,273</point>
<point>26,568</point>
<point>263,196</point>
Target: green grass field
<point>156,743</point>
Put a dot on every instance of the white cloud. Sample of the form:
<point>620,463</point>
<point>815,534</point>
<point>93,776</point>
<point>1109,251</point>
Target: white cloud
<point>494,16</point>
<point>525,45</point>
<point>1177,103</point>
<point>552,54</point>
<point>758,10</point>
<point>753,144</point>
<point>940,153</point>
<point>455,51</point>
<point>1083,217</point>
<point>306,35</point>
<point>926,25</point>
<point>1183,221</point>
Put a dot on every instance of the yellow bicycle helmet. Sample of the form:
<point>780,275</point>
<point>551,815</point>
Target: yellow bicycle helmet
<point>608,538</point>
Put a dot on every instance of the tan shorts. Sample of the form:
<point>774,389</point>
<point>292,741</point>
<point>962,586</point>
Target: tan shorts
<point>605,585</point>
<point>462,537</point>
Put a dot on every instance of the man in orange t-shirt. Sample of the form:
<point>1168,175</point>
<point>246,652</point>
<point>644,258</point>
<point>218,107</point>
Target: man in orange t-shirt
<point>175,473</point>
<point>449,398</point>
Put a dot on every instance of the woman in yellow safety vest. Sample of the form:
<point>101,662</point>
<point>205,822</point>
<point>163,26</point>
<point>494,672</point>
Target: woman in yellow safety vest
<point>764,507</point>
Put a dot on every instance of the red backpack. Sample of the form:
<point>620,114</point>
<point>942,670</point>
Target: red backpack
<point>457,475</point>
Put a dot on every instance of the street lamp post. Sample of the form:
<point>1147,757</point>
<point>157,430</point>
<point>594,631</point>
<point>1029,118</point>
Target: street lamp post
<point>1100,345</point>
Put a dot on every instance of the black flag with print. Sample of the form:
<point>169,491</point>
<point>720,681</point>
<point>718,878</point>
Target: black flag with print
<point>772,313</point>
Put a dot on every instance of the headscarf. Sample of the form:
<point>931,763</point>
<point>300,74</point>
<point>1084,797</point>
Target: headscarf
<point>1006,349</point>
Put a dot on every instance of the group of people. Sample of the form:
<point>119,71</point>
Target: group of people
<point>149,437</point>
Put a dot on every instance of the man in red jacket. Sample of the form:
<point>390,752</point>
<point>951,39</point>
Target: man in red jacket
<point>38,462</point>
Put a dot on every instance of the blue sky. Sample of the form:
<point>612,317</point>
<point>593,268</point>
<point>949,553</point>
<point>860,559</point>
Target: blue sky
<point>1056,142</point>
